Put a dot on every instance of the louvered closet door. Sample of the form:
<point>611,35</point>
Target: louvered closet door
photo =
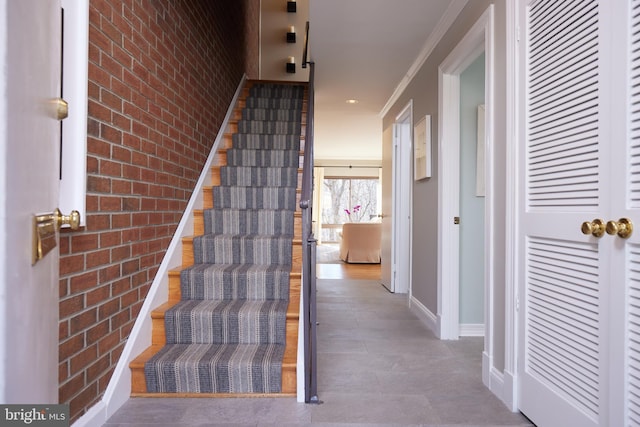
<point>564,275</point>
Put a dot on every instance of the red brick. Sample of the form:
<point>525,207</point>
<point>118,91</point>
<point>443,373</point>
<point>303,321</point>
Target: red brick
<point>98,222</point>
<point>83,282</point>
<point>71,388</point>
<point>71,346</point>
<point>83,320</point>
<point>96,332</point>
<point>98,258</point>
<point>110,133</point>
<point>83,359</point>
<point>110,168</point>
<point>98,295</point>
<point>110,238</point>
<point>121,220</point>
<point>108,308</point>
<point>110,203</point>
<point>84,243</point>
<point>120,253</point>
<point>109,273</point>
<point>71,264</point>
<point>71,306</point>
<point>158,90</point>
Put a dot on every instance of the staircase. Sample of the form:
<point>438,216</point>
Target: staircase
<point>231,323</point>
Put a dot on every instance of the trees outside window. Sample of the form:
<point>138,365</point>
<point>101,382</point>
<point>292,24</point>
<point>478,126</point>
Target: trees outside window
<point>347,200</point>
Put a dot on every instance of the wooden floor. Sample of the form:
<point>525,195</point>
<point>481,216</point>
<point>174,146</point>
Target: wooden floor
<point>348,271</point>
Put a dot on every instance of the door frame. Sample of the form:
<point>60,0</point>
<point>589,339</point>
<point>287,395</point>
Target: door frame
<point>73,181</point>
<point>479,39</point>
<point>401,222</point>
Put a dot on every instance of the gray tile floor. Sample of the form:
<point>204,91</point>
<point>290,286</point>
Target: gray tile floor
<point>378,365</point>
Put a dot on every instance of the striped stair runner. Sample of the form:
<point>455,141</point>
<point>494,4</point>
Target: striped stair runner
<point>228,332</point>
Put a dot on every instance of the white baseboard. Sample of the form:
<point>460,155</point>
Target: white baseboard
<point>425,315</point>
<point>501,384</point>
<point>95,416</point>
<point>472,329</point>
<point>510,391</point>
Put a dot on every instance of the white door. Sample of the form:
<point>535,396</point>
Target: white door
<point>401,207</point>
<point>29,137</point>
<point>575,327</point>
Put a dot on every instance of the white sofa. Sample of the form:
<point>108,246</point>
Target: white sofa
<point>360,242</point>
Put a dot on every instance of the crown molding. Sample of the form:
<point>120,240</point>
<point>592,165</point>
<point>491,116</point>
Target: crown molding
<point>441,28</point>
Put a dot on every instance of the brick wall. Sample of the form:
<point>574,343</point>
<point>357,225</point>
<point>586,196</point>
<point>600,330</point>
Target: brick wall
<point>161,76</point>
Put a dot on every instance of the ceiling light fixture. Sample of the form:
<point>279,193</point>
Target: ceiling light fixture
<point>352,101</point>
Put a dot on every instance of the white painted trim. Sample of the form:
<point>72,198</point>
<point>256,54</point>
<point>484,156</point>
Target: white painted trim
<point>512,197</point>
<point>95,416</point>
<point>424,314</point>
<point>402,209</point>
<point>501,384</point>
<point>490,168</point>
<point>73,185</point>
<point>492,378</point>
<point>509,391</point>
<point>452,12</point>
<point>479,38</point>
<point>449,204</point>
<point>119,388</point>
<point>471,330</point>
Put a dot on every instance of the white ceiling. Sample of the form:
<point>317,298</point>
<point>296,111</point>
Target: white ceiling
<point>362,49</point>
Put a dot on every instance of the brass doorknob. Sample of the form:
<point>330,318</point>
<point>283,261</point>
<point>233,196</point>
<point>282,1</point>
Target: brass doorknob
<point>623,227</point>
<point>596,227</point>
<point>61,108</point>
<point>72,220</point>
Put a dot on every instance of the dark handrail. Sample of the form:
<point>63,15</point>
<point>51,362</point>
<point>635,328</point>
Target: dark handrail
<point>305,53</point>
<point>309,245</point>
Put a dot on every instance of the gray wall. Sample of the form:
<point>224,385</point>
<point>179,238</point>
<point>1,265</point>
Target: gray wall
<point>423,89</point>
<point>471,206</point>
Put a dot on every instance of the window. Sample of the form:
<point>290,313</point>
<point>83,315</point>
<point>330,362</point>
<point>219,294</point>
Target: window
<point>347,200</point>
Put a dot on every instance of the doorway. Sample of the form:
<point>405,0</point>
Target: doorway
<point>476,45</point>
<point>472,195</point>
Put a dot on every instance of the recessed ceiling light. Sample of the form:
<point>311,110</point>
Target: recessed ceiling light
<point>352,101</point>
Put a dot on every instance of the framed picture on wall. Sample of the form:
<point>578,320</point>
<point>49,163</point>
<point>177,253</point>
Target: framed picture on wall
<point>422,149</point>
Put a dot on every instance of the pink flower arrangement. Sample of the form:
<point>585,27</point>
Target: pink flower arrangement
<point>355,209</point>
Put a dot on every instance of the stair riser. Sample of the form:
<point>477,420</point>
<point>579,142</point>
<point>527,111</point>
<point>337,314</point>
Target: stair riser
<point>224,322</point>
<point>232,221</point>
<point>242,250</point>
<point>263,158</point>
<point>225,283</point>
<point>242,176</point>
<point>175,291</point>
<point>188,254</point>
<point>255,198</point>
<point>188,369</point>
<point>199,224</point>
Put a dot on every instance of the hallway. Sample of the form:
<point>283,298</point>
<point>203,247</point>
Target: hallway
<point>378,365</point>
